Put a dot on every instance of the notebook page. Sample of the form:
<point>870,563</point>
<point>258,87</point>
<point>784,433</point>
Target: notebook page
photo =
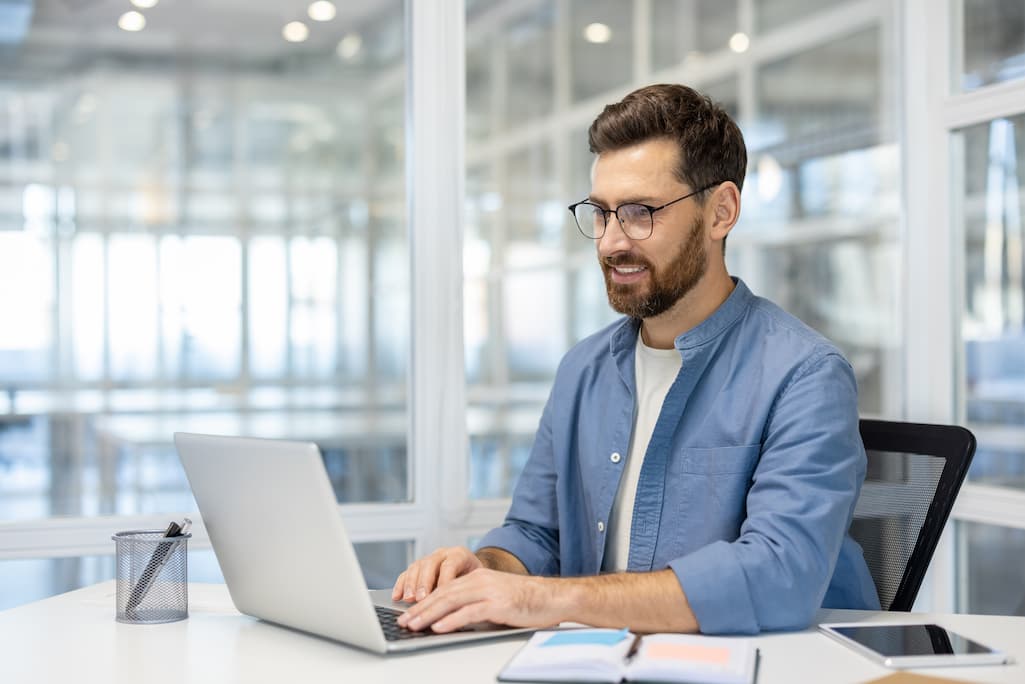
<point>693,658</point>
<point>577,655</point>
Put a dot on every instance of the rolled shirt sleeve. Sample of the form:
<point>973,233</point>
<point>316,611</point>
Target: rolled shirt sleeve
<point>531,528</point>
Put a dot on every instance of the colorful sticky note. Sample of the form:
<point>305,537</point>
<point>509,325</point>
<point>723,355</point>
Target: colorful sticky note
<point>688,653</point>
<point>586,637</point>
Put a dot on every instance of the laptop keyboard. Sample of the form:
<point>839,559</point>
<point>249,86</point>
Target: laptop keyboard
<point>392,630</point>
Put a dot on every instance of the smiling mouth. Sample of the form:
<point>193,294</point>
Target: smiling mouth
<point>628,270</point>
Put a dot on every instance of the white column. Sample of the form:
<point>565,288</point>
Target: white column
<point>435,113</point>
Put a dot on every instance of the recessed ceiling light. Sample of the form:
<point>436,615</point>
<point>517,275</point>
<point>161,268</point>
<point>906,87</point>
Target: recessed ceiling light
<point>739,42</point>
<point>295,32</point>
<point>144,4</point>
<point>597,33</point>
<point>131,21</point>
<point>321,10</point>
<point>349,46</point>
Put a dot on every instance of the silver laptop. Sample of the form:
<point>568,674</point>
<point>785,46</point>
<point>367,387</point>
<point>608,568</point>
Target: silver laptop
<point>274,524</point>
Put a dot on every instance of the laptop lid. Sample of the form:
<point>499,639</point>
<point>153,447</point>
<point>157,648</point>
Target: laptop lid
<point>274,524</point>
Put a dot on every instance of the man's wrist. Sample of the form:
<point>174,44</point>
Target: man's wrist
<point>494,558</point>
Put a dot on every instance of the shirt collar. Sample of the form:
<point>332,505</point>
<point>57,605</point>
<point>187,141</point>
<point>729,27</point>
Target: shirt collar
<point>624,336</point>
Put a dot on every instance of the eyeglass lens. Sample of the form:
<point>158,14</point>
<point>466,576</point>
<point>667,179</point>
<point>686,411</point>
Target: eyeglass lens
<point>634,218</point>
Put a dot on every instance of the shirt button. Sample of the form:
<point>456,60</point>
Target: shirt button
<point>601,526</point>
<point>615,457</point>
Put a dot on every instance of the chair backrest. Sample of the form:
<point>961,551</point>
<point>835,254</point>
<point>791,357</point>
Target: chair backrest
<point>914,474</point>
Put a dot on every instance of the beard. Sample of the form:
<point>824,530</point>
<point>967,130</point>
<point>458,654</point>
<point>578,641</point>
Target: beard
<point>668,284</point>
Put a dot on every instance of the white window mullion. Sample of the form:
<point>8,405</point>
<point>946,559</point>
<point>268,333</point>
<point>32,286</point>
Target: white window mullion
<point>435,114</point>
<point>930,294</point>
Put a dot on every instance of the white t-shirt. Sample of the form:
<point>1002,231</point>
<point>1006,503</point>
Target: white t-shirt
<point>656,369</point>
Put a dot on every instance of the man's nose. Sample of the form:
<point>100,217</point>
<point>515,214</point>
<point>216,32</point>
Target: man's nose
<point>615,239</point>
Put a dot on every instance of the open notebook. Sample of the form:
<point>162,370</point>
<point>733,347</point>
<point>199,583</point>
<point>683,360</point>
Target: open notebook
<point>610,655</point>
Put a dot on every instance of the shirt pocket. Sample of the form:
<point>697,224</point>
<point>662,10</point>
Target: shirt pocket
<point>727,460</point>
<point>708,489</point>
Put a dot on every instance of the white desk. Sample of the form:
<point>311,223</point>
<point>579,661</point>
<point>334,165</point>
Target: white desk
<point>73,638</point>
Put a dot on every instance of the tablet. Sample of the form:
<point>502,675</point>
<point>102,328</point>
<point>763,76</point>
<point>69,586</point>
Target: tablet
<point>906,646</point>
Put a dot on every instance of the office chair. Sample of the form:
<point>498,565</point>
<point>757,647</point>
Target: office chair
<point>914,474</point>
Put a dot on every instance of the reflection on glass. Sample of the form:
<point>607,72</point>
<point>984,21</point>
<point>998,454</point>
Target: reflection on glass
<point>534,323</point>
<point>528,42</point>
<point>26,306</point>
<point>819,231</point>
<point>994,312</point>
<point>820,227</point>
<point>994,43</point>
<point>132,293</point>
<point>225,251</point>
<point>726,94</point>
<point>532,208</point>
<point>991,559</point>
<point>602,60</point>
<point>774,14</point>
<point>480,75</point>
<point>687,29</point>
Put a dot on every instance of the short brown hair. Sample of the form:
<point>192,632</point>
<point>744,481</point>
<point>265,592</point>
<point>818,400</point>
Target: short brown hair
<point>711,145</point>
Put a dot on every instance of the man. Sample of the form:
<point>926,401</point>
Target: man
<point>697,463</point>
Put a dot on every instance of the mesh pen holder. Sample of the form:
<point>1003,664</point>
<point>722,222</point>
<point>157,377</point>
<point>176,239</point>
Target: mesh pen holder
<point>152,577</point>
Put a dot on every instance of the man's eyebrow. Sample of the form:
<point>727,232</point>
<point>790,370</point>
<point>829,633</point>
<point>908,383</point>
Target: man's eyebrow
<point>639,199</point>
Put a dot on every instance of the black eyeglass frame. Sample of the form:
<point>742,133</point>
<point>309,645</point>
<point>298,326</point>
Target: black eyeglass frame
<point>651,213</point>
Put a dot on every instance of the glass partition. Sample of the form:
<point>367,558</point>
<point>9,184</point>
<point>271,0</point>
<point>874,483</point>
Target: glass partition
<point>819,231</point>
<point>993,42</point>
<point>993,323</point>
<point>202,228</point>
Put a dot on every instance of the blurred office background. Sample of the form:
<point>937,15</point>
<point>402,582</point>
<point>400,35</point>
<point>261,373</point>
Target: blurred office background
<point>204,227</point>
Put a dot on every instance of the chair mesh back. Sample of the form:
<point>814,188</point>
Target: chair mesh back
<point>890,513</point>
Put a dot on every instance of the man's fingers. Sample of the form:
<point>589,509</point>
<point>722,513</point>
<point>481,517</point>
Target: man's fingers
<point>450,569</point>
<point>412,580</point>
<point>399,588</point>
<point>426,581</point>
<point>469,614</point>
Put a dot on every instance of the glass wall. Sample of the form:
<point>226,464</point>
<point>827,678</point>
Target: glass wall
<point>988,191</point>
<point>202,228</point>
<point>819,231</point>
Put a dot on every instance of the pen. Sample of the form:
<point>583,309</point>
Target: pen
<point>634,647</point>
<point>155,564</point>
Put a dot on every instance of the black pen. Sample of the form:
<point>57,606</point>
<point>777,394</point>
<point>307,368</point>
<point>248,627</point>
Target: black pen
<point>634,647</point>
<point>156,562</point>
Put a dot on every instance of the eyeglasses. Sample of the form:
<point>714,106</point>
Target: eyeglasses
<point>637,220</point>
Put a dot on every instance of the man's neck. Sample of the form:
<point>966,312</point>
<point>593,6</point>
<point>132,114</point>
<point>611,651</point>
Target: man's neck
<point>689,311</point>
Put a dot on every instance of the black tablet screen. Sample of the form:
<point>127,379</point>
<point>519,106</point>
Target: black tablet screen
<point>911,640</point>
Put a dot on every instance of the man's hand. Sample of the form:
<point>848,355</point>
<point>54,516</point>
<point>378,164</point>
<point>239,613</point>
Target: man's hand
<point>435,570</point>
<point>486,595</point>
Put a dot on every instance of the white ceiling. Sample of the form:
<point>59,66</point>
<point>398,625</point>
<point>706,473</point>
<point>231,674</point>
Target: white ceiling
<point>230,29</point>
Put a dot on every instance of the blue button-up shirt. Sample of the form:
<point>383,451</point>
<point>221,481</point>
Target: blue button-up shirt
<point>748,484</point>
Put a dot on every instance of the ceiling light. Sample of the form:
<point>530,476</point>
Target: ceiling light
<point>144,4</point>
<point>597,33</point>
<point>295,32</point>
<point>739,42</point>
<point>321,10</point>
<point>349,46</point>
<point>131,21</point>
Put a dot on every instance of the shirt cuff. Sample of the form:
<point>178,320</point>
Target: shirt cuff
<point>716,589</point>
<point>516,541</point>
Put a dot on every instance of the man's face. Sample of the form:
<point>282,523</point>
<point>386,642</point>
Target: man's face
<point>644,278</point>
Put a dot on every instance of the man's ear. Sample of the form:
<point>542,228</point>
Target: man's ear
<point>722,210</point>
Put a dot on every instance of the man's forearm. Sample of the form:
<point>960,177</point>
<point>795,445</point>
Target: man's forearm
<point>642,601</point>
<point>499,559</point>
